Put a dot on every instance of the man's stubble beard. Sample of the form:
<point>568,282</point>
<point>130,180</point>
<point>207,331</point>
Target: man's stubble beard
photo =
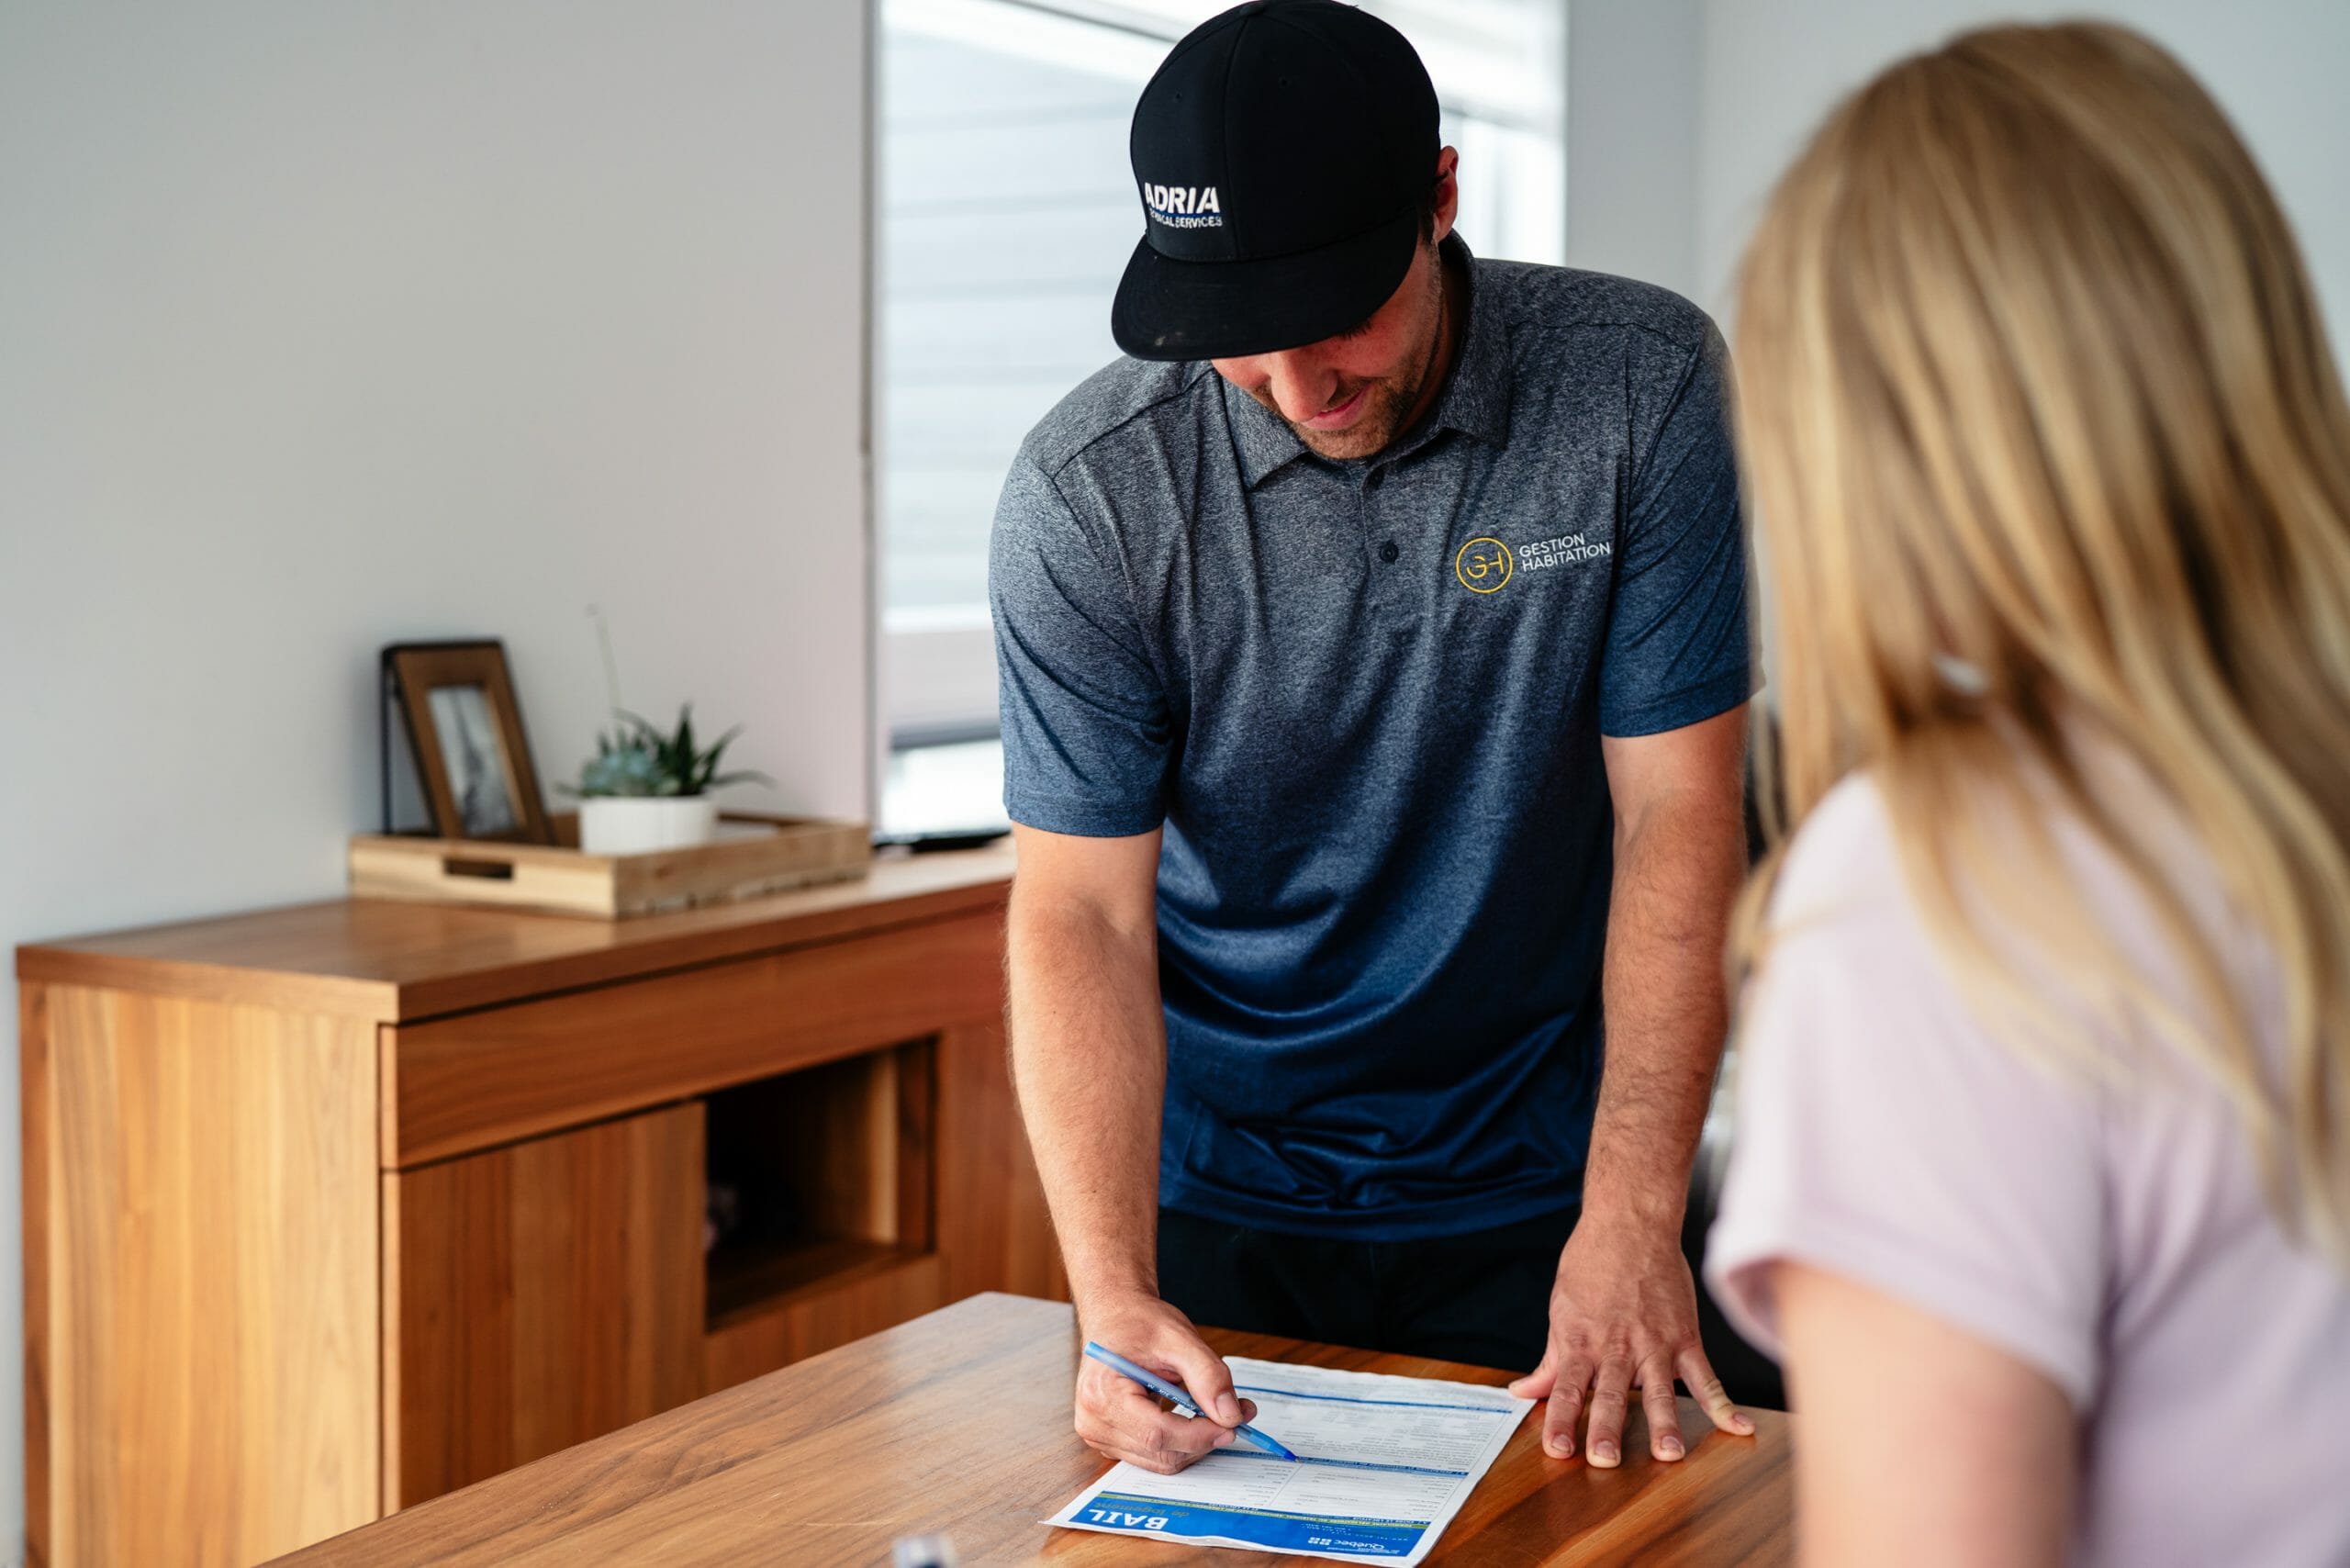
<point>1381,423</point>
<point>1390,400</point>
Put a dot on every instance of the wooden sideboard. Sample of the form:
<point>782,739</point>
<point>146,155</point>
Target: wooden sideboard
<point>331,1209</point>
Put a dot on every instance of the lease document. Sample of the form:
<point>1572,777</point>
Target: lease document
<point>1384,1463</point>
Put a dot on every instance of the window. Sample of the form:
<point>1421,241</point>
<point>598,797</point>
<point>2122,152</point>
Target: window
<point>1006,214</point>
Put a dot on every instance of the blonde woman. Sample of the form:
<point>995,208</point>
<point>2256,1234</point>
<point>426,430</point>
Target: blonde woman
<point>2043,1174</point>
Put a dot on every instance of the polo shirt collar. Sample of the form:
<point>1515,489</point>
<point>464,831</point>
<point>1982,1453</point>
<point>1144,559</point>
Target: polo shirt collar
<point>1475,400</point>
<point>1262,440</point>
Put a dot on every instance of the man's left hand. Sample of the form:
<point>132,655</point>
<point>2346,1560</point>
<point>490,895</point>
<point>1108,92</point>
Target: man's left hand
<point>1623,1315</point>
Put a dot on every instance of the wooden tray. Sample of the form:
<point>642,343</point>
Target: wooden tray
<point>754,855</point>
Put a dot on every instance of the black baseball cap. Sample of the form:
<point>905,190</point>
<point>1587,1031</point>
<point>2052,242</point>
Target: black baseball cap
<point>1283,151</point>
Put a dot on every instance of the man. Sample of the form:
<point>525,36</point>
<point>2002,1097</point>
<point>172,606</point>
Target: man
<point>1373,657</point>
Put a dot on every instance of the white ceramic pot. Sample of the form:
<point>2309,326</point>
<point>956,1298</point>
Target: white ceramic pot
<point>634,824</point>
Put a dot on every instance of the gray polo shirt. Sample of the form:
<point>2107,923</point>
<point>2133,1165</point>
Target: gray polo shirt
<point>1365,700</point>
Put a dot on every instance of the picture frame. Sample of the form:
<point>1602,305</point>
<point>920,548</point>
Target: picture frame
<point>464,731</point>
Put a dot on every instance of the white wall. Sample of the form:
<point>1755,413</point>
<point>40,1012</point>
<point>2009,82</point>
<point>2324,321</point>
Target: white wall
<point>1681,113</point>
<point>1632,123</point>
<point>326,326</point>
<point>1772,69</point>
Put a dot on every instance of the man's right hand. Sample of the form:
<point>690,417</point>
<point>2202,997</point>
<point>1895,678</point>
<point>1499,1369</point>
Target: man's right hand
<point>1120,1419</point>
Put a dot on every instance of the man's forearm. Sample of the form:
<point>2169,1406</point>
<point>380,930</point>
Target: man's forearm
<point>1089,1060</point>
<point>1664,1004</point>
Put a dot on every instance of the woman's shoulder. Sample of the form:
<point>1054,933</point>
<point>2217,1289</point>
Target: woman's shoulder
<point>1842,863</point>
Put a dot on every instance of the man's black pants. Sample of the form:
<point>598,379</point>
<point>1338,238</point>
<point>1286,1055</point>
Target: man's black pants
<point>1481,1297</point>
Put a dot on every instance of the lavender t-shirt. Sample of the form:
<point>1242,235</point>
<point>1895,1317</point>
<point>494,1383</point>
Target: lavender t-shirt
<point>2114,1237</point>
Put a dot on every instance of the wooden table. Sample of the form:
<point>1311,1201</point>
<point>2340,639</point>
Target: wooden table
<point>959,1422</point>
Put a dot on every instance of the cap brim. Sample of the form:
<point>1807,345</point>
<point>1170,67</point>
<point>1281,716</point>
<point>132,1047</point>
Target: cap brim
<point>1171,309</point>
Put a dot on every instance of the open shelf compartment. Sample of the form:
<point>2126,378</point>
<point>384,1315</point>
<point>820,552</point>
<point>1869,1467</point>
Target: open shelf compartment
<point>819,1180</point>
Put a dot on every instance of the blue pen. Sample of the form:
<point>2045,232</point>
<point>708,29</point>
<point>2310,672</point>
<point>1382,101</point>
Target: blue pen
<point>1190,1406</point>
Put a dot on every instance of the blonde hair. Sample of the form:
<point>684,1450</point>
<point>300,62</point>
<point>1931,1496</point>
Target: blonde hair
<point>2032,380</point>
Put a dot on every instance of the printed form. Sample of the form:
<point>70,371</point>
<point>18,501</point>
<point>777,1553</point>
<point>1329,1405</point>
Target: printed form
<point>1384,1464</point>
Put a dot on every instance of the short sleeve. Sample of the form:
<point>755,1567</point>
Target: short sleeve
<point>1086,735</point>
<point>1677,650</point>
<point>1883,1134</point>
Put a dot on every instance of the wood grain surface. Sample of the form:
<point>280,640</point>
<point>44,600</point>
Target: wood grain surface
<point>390,960</point>
<point>201,1193</point>
<point>501,1073</point>
<point>996,1232</point>
<point>34,1115</point>
<point>886,1286</point>
<point>558,879</point>
<point>377,1215</point>
<point>959,1423</point>
<point>538,1296</point>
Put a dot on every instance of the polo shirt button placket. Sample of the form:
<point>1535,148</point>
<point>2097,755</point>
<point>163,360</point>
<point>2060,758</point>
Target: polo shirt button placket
<point>1391,604</point>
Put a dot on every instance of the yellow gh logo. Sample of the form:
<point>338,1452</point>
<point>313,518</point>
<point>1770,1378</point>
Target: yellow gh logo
<point>1483,565</point>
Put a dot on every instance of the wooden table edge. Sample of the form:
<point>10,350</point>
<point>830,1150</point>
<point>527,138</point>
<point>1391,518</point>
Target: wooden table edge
<point>1546,1516</point>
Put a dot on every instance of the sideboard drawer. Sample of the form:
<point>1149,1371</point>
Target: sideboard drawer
<point>473,1080</point>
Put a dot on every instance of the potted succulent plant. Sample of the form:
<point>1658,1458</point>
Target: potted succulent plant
<point>644,789</point>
